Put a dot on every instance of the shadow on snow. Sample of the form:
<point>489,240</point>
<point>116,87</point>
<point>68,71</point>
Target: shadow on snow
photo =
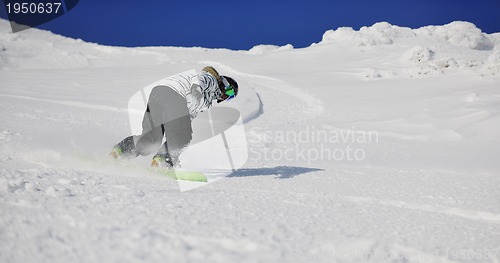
<point>281,172</point>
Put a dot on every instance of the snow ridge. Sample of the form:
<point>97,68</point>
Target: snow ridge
<point>458,33</point>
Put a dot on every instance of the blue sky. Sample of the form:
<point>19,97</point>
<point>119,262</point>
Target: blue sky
<point>243,24</point>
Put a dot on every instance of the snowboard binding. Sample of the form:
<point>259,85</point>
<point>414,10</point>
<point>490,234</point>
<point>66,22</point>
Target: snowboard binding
<point>162,161</point>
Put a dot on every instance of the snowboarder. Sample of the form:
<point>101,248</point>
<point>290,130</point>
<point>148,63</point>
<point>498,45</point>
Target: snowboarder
<point>171,107</point>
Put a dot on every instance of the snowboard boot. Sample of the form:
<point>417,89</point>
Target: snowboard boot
<point>124,149</point>
<point>162,161</point>
<point>116,153</point>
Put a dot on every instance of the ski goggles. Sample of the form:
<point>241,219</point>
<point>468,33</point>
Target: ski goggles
<point>229,89</point>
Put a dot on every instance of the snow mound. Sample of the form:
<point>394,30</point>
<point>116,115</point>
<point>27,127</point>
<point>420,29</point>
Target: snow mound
<point>492,65</point>
<point>418,54</point>
<point>381,33</point>
<point>33,50</point>
<point>262,49</point>
<point>495,38</point>
<point>459,33</point>
<point>425,64</point>
<point>424,52</point>
<point>41,49</point>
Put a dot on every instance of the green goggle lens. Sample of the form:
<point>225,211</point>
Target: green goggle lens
<point>230,91</point>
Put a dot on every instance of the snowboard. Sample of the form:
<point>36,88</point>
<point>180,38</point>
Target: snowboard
<point>109,163</point>
<point>180,174</point>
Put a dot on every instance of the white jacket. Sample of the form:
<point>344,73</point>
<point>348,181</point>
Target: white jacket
<point>199,89</point>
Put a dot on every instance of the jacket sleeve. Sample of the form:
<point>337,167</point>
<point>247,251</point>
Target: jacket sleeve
<point>204,90</point>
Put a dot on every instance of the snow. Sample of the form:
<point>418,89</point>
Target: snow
<point>261,49</point>
<point>458,33</point>
<point>374,145</point>
<point>378,34</point>
<point>463,34</point>
<point>418,54</point>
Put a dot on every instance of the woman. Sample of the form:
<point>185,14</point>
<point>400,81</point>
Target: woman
<point>172,104</point>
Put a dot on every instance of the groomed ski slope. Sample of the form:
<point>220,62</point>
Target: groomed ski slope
<point>373,145</point>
